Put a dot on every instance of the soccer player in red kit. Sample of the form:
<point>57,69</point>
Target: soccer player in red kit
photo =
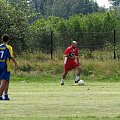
<point>71,61</point>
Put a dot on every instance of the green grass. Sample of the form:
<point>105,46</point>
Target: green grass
<point>36,93</point>
<point>50,101</point>
<point>92,70</point>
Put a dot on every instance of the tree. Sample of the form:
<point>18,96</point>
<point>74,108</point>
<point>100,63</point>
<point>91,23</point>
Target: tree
<point>116,7</point>
<point>13,21</point>
<point>115,3</point>
<point>63,8</point>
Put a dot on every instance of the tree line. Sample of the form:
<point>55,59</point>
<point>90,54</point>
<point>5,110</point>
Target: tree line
<point>30,22</point>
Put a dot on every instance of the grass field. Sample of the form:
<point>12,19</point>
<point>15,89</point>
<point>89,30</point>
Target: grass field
<point>36,93</point>
<point>50,101</point>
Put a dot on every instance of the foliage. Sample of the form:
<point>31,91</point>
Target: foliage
<point>97,67</point>
<point>32,33</point>
<point>93,30</point>
<point>63,8</point>
<point>14,23</point>
<point>115,2</point>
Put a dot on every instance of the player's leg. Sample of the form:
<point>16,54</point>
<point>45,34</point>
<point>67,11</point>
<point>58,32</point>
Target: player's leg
<point>2,87</point>
<point>6,91</point>
<point>7,78</point>
<point>67,67</point>
<point>79,69</point>
<point>63,77</point>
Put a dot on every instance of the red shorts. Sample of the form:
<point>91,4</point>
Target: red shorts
<point>70,65</point>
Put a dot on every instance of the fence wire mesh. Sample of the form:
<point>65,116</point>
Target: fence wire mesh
<point>92,45</point>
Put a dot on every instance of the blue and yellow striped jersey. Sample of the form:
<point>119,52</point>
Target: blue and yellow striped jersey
<point>6,53</point>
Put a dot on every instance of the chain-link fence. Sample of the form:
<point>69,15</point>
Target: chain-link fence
<point>92,45</point>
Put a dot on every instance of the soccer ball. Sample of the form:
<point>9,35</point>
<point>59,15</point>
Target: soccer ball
<point>81,82</point>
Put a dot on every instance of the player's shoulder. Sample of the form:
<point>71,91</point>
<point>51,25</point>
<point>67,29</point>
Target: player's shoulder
<point>9,46</point>
<point>2,47</point>
<point>76,48</point>
<point>69,47</point>
<point>1,44</point>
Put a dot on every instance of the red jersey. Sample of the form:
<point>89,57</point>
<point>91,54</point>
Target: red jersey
<point>70,62</point>
<point>71,52</point>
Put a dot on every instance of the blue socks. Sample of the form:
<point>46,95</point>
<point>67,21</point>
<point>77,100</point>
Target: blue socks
<point>6,97</point>
<point>1,98</point>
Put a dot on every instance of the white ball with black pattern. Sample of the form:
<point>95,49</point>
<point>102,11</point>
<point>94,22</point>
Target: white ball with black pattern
<point>81,82</point>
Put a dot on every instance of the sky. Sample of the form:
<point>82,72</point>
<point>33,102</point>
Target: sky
<point>103,3</point>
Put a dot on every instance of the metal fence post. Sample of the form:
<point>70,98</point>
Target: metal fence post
<point>114,44</point>
<point>51,37</point>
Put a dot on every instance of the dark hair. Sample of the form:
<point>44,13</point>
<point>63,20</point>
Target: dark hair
<point>5,38</point>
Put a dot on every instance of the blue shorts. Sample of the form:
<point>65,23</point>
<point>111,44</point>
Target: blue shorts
<point>4,75</point>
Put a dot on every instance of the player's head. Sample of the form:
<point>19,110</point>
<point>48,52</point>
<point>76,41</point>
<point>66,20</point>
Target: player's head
<point>5,38</point>
<point>74,44</point>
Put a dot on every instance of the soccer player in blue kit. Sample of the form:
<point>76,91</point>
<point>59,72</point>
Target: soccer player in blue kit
<point>6,54</point>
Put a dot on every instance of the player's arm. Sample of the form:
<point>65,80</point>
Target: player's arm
<point>14,61</point>
<point>12,56</point>
<point>66,55</point>
<point>65,58</point>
